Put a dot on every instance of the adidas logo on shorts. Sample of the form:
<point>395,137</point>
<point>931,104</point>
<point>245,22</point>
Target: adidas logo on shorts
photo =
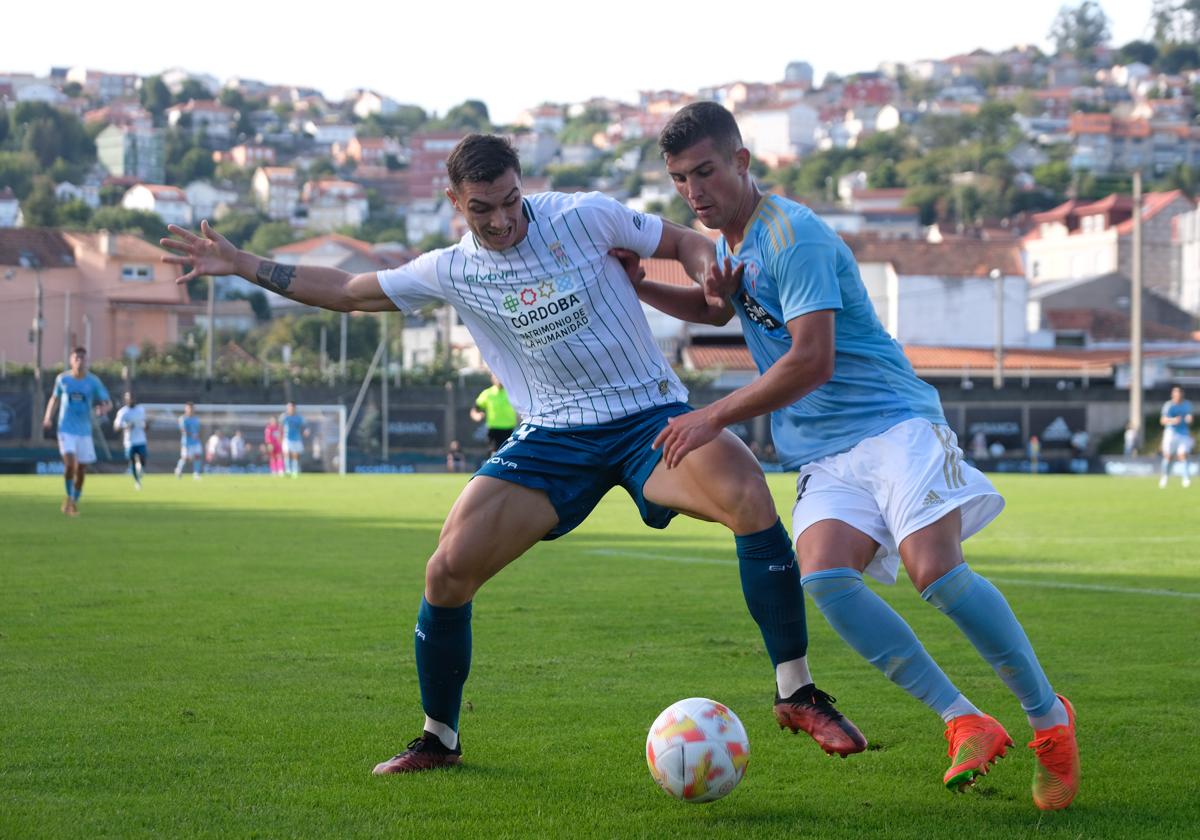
<point>931,499</point>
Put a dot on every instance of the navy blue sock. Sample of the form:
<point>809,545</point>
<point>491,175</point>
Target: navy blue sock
<point>443,646</point>
<point>771,586</point>
<point>987,621</point>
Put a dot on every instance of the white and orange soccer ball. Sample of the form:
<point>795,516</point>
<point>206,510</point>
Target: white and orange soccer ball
<point>697,750</point>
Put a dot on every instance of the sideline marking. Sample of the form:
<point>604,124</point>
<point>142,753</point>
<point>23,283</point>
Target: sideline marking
<point>1044,584</point>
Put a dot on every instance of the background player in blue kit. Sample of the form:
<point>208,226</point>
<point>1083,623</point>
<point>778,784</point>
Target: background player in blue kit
<point>295,430</point>
<point>1176,420</point>
<point>78,393</point>
<point>556,319</point>
<point>882,480</point>
<point>190,446</point>
<point>131,421</point>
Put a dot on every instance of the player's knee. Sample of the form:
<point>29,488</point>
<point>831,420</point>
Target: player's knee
<point>449,579</point>
<point>747,504</point>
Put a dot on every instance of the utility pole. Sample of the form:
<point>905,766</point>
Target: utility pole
<point>383,386</point>
<point>67,329</point>
<point>1136,411</point>
<point>210,350</point>
<point>38,323</point>
<point>998,372</point>
<point>342,357</point>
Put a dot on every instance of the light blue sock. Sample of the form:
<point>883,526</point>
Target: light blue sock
<point>1166,467</point>
<point>70,485</point>
<point>987,621</point>
<point>880,635</point>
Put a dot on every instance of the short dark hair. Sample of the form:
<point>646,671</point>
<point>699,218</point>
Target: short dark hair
<point>699,121</point>
<point>481,158</point>
<point>82,351</point>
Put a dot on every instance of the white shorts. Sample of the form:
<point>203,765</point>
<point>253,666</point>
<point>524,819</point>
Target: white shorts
<point>80,446</point>
<point>1176,444</point>
<point>893,484</point>
<point>191,450</point>
<point>293,447</point>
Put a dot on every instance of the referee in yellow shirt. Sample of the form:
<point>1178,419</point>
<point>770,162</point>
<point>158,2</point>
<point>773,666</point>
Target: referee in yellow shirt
<point>492,404</point>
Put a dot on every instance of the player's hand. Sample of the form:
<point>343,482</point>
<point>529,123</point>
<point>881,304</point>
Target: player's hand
<point>723,281</point>
<point>631,263</point>
<point>46,424</point>
<point>210,253</point>
<point>685,433</point>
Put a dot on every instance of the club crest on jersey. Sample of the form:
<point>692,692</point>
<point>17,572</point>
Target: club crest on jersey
<point>752,272</point>
<point>560,254</point>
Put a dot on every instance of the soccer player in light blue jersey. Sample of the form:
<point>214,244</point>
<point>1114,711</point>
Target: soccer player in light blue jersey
<point>555,317</point>
<point>78,394</point>
<point>1176,420</point>
<point>881,476</point>
<point>295,430</point>
<point>190,447</point>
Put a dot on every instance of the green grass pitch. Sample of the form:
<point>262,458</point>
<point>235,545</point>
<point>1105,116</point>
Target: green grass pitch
<point>230,657</point>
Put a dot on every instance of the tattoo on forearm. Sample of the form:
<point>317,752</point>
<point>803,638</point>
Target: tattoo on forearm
<point>275,277</point>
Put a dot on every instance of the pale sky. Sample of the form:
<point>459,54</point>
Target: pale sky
<point>518,54</point>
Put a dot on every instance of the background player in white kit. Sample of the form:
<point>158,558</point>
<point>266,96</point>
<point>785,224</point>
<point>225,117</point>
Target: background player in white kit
<point>131,421</point>
<point>556,319</point>
<point>1176,419</point>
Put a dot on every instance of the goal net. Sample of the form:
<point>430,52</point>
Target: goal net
<point>220,425</point>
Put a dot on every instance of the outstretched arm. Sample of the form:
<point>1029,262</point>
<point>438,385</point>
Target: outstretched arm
<point>213,254</point>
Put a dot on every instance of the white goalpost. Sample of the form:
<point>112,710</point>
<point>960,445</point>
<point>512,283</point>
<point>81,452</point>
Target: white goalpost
<point>324,445</point>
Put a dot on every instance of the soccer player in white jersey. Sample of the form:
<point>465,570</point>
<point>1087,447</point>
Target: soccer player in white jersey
<point>78,393</point>
<point>131,421</point>
<point>559,324</point>
<point>881,477</point>
<point>1176,420</point>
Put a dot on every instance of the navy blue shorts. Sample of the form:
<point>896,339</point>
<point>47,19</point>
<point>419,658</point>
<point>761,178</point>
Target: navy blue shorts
<point>136,449</point>
<point>576,467</point>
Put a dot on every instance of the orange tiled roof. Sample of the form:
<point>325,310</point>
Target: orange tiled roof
<point>961,258</point>
<point>306,246</point>
<point>930,360</point>
<point>1152,204</point>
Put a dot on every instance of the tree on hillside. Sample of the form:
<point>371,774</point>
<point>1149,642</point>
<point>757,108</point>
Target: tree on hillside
<point>1176,21</point>
<point>1078,31</point>
<point>471,115</point>
<point>1143,51</point>
<point>155,97</point>
<point>149,226</point>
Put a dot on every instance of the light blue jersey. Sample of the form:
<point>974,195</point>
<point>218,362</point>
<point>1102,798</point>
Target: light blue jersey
<point>796,264</point>
<point>189,430</point>
<point>293,427</point>
<point>1182,410</point>
<point>76,397</point>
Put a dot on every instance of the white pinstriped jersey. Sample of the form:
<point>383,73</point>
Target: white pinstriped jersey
<point>554,316</point>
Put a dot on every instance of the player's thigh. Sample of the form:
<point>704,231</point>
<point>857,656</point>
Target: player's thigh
<point>721,482</point>
<point>492,523</point>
